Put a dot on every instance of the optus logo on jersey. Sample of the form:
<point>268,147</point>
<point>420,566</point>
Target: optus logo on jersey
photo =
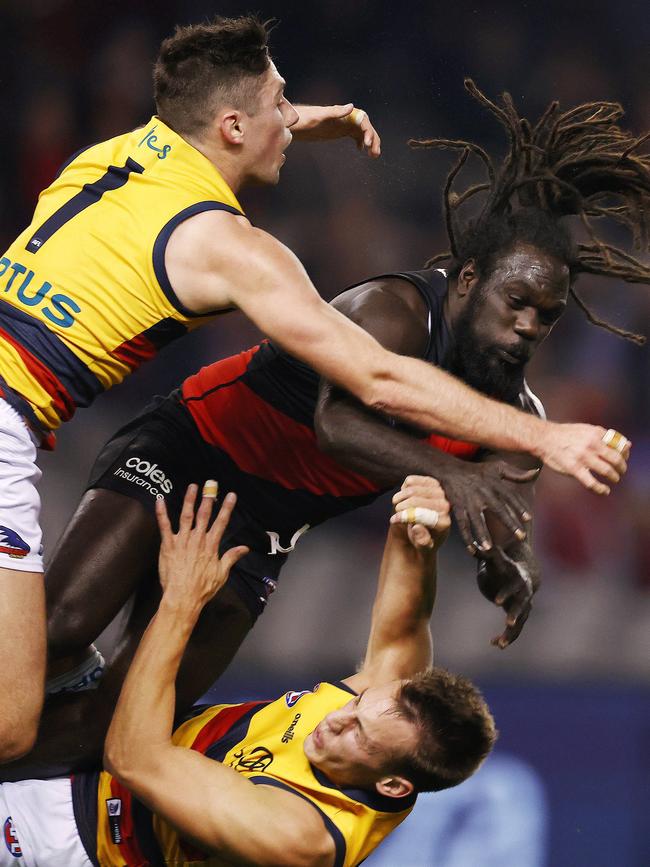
<point>142,473</point>
<point>60,308</point>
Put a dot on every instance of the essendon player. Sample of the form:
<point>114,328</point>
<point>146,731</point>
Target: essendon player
<point>263,425</point>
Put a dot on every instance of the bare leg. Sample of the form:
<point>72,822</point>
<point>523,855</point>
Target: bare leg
<point>22,660</point>
<point>109,547</point>
<point>73,727</point>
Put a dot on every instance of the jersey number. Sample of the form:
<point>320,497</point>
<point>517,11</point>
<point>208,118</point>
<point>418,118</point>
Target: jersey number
<point>114,178</point>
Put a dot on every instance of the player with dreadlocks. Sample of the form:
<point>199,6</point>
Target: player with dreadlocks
<point>577,163</point>
<point>298,452</point>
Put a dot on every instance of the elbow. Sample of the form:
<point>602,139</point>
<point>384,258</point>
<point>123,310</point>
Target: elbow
<point>327,428</point>
<point>121,762</point>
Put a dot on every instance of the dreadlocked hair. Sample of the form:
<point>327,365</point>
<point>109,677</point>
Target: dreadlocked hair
<point>573,163</point>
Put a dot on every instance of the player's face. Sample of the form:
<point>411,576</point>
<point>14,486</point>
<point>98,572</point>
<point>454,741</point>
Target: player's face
<point>354,745</point>
<point>506,317</point>
<point>267,130</point>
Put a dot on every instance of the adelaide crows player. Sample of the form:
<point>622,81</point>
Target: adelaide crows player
<point>317,777</point>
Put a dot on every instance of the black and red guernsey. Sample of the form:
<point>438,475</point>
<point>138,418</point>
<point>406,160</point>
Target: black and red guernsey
<point>258,409</point>
<point>248,422</point>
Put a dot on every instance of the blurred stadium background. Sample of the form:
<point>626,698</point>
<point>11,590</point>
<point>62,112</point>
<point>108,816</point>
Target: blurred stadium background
<point>568,785</point>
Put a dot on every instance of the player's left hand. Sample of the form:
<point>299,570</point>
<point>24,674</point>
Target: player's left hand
<point>325,122</point>
<point>191,571</point>
<point>509,581</point>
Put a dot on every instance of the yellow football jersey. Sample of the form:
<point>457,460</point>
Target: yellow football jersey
<point>84,295</point>
<point>264,742</point>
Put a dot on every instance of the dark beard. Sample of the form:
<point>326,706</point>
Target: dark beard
<point>479,365</point>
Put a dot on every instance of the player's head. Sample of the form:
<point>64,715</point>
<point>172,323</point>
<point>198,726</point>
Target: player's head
<point>579,163</point>
<point>424,734</point>
<point>216,84</point>
<point>510,282</point>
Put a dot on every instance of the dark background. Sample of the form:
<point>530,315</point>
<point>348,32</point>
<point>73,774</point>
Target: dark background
<point>571,696</point>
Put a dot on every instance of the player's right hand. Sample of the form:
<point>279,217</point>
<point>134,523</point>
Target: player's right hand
<point>422,508</point>
<point>579,450</point>
<point>191,570</point>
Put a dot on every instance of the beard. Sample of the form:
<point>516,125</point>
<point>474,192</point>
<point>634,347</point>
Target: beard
<point>478,363</point>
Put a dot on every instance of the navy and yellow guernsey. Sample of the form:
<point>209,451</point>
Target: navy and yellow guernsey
<point>264,742</point>
<point>84,295</point>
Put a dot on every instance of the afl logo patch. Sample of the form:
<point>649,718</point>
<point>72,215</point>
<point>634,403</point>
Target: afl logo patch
<point>11,543</point>
<point>292,697</point>
<point>11,839</point>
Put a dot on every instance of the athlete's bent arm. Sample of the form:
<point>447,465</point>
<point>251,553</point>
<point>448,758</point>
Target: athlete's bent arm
<point>250,270</point>
<point>205,800</point>
<point>400,643</point>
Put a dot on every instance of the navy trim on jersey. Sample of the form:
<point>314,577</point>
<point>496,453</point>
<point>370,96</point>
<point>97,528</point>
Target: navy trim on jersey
<point>72,158</point>
<point>144,834</point>
<point>23,407</point>
<point>84,808</point>
<point>340,685</point>
<point>114,178</point>
<point>337,836</point>
<point>219,749</point>
<point>80,383</point>
<point>160,245</point>
<point>381,803</point>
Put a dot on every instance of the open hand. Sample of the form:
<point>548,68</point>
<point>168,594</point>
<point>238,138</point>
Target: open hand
<point>509,582</point>
<point>191,571</point>
<point>579,450</point>
<point>325,122</point>
<point>474,488</point>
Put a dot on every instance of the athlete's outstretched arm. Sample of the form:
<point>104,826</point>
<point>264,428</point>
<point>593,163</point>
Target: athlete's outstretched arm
<point>205,800</point>
<point>249,269</point>
<point>326,122</point>
<point>400,642</point>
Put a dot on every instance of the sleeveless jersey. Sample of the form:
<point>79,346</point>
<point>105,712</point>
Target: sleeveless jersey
<point>256,410</point>
<point>263,741</point>
<point>84,295</point>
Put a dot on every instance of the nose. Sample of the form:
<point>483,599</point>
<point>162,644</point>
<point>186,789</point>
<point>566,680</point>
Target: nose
<point>292,115</point>
<point>528,324</point>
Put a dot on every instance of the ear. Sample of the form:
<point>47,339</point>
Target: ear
<point>467,278</point>
<point>231,127</point>
<point>394,787</point>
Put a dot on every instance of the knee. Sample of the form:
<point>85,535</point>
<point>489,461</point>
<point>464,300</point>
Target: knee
<point>67,631</point>
<point>17,739</point>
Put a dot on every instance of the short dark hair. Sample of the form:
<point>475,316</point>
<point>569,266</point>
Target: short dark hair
<point>456,729</point>
<point>204,65</point>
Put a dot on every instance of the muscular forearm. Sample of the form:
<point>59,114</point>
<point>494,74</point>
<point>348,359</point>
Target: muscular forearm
<point>399,634</point>
<point>144,716</point>
<point>431,399</point>
<point>366,443</point>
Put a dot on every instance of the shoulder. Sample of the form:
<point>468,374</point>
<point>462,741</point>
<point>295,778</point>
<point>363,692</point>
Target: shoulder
<point>391,309</point>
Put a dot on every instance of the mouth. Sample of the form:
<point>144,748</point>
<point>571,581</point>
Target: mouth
<point>317,737</point>
<point>512,357</point>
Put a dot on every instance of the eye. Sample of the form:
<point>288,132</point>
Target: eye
<point>516,302</point>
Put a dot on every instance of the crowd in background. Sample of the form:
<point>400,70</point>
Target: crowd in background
<point>72,73</point>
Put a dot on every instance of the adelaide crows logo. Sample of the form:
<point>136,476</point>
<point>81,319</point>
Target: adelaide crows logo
<point>257,760</point>
<point>11,543</point>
